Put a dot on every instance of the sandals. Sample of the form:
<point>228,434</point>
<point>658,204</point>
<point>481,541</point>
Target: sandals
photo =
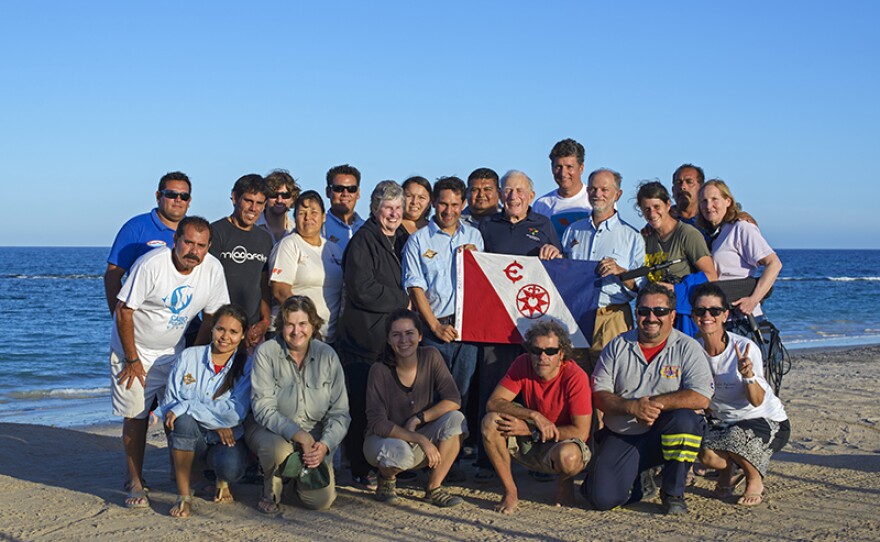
<point>440,497</point>
<point>386,491</point>
<point>222,494</point>
<point>182,501</point>
<point>268,507</point>
<point>137,499</point>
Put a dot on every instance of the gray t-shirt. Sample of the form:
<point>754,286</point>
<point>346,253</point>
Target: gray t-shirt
<point>623,370</point>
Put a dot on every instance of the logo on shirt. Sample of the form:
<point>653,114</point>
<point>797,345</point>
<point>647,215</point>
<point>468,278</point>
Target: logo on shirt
<point>333,239</point>
<point>670,371</point>
<point>574,242</point>
<point>533,234</point>
<point>155,243</point>
<point>429,254</point>
<point>276,271</point>
<point>240,255</point>
<point>179,299</point>
<point>188,379</point>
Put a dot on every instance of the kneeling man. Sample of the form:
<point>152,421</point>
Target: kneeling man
<point>648,383</point>
<point>549,433</point>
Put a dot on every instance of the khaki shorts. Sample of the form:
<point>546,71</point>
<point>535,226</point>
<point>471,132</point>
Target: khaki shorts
<point>538,456</point>
<point>137,401</point>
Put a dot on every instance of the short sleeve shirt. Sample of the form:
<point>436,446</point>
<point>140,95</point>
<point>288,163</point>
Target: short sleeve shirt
<point>138,236</point>
<point>564,212</point>
<point>244,255</point>
<point>566,395</point>
<point>685,242</point>
<point>165,301</point>
<point>623,370</point>
<point>312,271</point>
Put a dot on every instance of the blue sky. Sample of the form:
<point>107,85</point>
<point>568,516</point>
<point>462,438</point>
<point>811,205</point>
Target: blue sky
<point>99,99</point>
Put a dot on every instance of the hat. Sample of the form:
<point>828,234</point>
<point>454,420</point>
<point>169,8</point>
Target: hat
<point>308,478</point>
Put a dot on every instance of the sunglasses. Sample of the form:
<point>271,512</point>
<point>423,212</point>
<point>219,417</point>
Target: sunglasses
<point>659,312</point>
<point>338,188</point>
<point>282,195</point>
<point>714,311</point>
<point>174,194</point>
<point>552,351</point>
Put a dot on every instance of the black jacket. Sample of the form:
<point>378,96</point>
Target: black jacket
<point>373,288</point>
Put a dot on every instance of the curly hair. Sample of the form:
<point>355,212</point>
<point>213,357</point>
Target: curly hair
<point>545,328</point>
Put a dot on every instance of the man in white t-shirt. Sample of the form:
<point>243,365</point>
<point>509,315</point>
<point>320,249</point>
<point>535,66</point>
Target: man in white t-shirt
<point>165,289</point>
<point>570,202</point>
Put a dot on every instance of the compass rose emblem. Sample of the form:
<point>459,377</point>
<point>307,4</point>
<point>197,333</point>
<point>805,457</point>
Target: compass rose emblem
<point>532,301</point>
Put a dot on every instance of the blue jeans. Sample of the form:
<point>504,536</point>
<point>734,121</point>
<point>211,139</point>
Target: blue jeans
<point>461,358</point>
<point>228,463</point>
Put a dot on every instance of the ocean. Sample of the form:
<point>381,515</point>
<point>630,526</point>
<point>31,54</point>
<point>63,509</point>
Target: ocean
<point>55,325</point>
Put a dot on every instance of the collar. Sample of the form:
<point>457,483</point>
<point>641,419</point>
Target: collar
<point>354,221</point>
<point>434,228</point>
<point>608,224</point>
<point>154,215</point>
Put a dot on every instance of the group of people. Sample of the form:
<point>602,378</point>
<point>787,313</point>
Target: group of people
<point>327,330</point>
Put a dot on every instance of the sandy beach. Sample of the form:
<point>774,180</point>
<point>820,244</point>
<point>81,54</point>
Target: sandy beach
<point>63,484</point>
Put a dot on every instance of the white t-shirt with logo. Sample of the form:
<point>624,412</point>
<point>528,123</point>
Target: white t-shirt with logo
<point>312,271</point>
<point>165,301</point>
<point>564,212</point>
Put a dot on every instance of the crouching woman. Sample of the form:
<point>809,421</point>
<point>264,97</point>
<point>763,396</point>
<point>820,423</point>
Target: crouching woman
<point>206,401</point>
<point>413,417</point>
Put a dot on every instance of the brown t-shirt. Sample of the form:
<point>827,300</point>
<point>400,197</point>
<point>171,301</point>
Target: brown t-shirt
<point>389,403</point>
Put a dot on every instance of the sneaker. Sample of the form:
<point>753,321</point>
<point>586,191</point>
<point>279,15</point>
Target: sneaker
<point>369,482</point>
<point>440,497</point>
<point>386,491</point>
<point>673,506</point>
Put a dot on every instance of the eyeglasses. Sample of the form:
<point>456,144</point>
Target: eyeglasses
<point>174,194</point>
<point>714,311</point>
<point>552,351</point>
<point>338,188</point>
<point>659,312</point>
<point>281,195</point>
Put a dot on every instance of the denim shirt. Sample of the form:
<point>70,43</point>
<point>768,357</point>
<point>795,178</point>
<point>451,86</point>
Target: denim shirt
<point>192,385</point>
<point>429,261</point>
<point>287,398</point>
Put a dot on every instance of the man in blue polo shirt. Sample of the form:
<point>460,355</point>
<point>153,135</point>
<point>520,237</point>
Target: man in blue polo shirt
<point>605,238</point>
<point>147,231</point>
<point>343,190</point>
<point>429,277</point>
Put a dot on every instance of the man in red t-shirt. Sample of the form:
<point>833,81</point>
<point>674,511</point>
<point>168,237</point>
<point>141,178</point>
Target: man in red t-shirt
<point>549,433</point>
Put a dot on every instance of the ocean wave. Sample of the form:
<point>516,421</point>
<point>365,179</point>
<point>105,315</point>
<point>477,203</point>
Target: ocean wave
<point>73,276</point>
<point>64,393</point>
<point>830,279</point>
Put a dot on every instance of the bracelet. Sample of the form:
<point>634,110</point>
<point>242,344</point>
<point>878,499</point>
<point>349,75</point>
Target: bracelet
<point>131,361</point>
<point>421,416</point>
<point>750,380</point>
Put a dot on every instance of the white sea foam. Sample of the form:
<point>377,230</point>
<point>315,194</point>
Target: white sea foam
<point>64,393</point>
<point>75,276</point>
<point>829,279</point>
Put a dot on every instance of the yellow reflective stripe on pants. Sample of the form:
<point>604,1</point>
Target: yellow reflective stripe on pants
<point>681,447</point>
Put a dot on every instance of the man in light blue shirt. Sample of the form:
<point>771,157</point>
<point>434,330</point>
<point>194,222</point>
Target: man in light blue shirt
<point>617,246</point>
<point>343,190</point>
<point>429,277</point>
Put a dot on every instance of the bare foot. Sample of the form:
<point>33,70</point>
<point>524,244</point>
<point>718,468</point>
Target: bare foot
<point>182,507</point>
<point>508,504</point>
<point>565,492</point>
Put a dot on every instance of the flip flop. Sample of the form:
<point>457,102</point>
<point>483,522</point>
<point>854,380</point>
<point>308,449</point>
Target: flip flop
<point>264,508</point>
<point>137,496</point>
<point>182,500</point>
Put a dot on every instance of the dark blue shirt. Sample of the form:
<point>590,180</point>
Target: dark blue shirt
<point>523,238</point>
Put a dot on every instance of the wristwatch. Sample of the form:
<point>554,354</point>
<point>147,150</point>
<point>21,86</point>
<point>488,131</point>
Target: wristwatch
<point>421,416</point>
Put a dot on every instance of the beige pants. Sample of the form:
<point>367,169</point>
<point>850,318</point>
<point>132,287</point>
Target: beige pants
<point>272,450</point>
<point>611,321</point>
